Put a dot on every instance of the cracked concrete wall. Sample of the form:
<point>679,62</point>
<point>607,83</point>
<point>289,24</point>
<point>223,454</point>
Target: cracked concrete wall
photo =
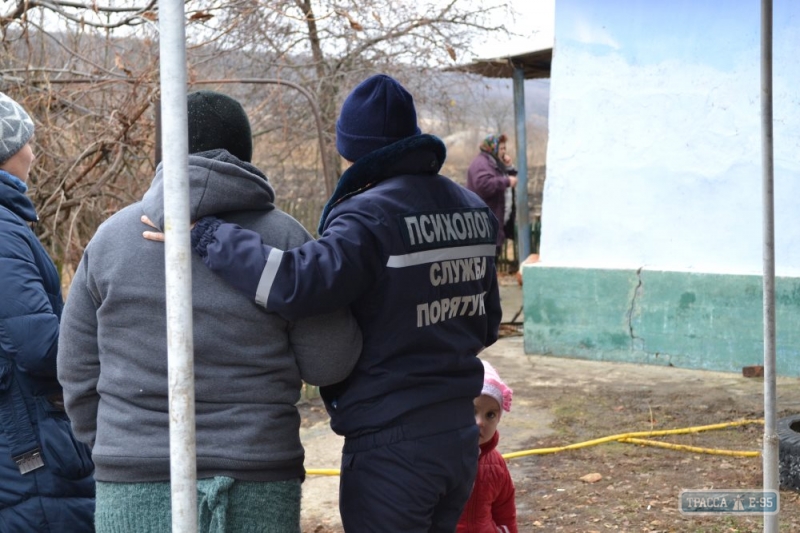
<point>651,246</point>
<point>684,319</point>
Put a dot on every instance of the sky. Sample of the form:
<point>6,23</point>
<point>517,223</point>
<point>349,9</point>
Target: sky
<point>534,24</point>
<point>648,32</point>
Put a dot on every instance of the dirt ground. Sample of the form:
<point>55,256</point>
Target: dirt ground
<point>559,401</point>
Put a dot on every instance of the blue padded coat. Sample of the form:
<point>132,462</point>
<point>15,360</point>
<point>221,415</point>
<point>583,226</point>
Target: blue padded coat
<point>56,492</point>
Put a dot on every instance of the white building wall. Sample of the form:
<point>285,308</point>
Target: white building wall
<point>655,161</point>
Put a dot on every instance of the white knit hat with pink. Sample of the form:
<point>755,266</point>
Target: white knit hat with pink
<point>494,387</point>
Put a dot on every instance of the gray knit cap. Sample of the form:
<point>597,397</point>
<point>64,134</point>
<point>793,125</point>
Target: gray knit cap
<point>16,128</point>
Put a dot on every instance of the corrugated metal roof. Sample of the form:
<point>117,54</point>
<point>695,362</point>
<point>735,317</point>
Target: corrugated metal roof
<point>534,65</point>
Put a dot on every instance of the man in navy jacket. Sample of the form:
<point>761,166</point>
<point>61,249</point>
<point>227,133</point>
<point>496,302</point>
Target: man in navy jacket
<point>412,253</point>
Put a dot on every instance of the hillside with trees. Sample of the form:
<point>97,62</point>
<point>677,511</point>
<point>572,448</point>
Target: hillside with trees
<point>88,75</point>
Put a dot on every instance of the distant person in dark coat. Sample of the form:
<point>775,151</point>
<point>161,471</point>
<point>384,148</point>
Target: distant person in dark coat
<point>46,483</point>
<point>492,177</point>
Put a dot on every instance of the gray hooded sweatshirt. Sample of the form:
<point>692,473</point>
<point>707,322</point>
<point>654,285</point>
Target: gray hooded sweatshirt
<point>248,364</point>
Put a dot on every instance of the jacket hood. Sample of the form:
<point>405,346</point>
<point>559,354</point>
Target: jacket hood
<point>12,197</point>
<point>218,183</point>
<point>420,154</point>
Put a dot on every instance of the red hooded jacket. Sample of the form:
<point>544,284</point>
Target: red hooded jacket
<point>491,507</point>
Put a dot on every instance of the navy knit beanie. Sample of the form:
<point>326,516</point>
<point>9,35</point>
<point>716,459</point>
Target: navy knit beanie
<point>218,121</point>
<point>377,113</point>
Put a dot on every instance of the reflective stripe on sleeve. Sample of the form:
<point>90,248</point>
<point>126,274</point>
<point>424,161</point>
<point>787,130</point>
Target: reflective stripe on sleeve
<point>268,276</point>
<point>439,254</point>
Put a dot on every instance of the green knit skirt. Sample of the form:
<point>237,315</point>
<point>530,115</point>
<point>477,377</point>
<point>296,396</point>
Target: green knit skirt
<point>224,505</point>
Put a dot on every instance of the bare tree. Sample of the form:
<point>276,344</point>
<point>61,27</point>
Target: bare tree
<point>329,45</point>
<point>88,74</point>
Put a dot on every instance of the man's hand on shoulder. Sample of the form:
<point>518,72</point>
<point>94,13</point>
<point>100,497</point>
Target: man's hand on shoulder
<point>238,256</point>
<point>202,235</point>
<point>157,235</point>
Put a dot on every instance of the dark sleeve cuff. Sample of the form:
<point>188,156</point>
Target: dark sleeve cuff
<point>203,234</point>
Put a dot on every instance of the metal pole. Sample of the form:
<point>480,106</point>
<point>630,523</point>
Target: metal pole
<point>182,443</point>
<point>523,217</point>
<point>157,155</point>
<point>771,442</point>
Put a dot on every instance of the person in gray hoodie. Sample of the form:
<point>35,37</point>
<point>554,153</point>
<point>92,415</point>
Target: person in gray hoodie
<point>249,365</point>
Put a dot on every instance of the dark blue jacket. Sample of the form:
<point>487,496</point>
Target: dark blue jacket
<point>57,497</point>
<point>412,253</point>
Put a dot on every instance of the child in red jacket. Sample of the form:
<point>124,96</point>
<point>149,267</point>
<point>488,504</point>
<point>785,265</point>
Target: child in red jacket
<point>491,507</point>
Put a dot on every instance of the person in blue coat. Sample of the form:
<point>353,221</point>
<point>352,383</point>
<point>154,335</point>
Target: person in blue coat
<point>46,482</point>
<point>412,253</point>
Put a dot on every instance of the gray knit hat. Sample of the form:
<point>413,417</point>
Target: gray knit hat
<point>16,128</point>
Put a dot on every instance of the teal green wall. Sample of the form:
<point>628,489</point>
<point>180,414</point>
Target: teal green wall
<point>690,320</point>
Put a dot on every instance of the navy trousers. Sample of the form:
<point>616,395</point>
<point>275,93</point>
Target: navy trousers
<point>414,477</point>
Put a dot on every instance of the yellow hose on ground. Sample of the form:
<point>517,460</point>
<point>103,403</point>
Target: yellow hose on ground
<point>615,438</point>
<point>633,438</point>
<point>692,449</point>
<point>322,472</point>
